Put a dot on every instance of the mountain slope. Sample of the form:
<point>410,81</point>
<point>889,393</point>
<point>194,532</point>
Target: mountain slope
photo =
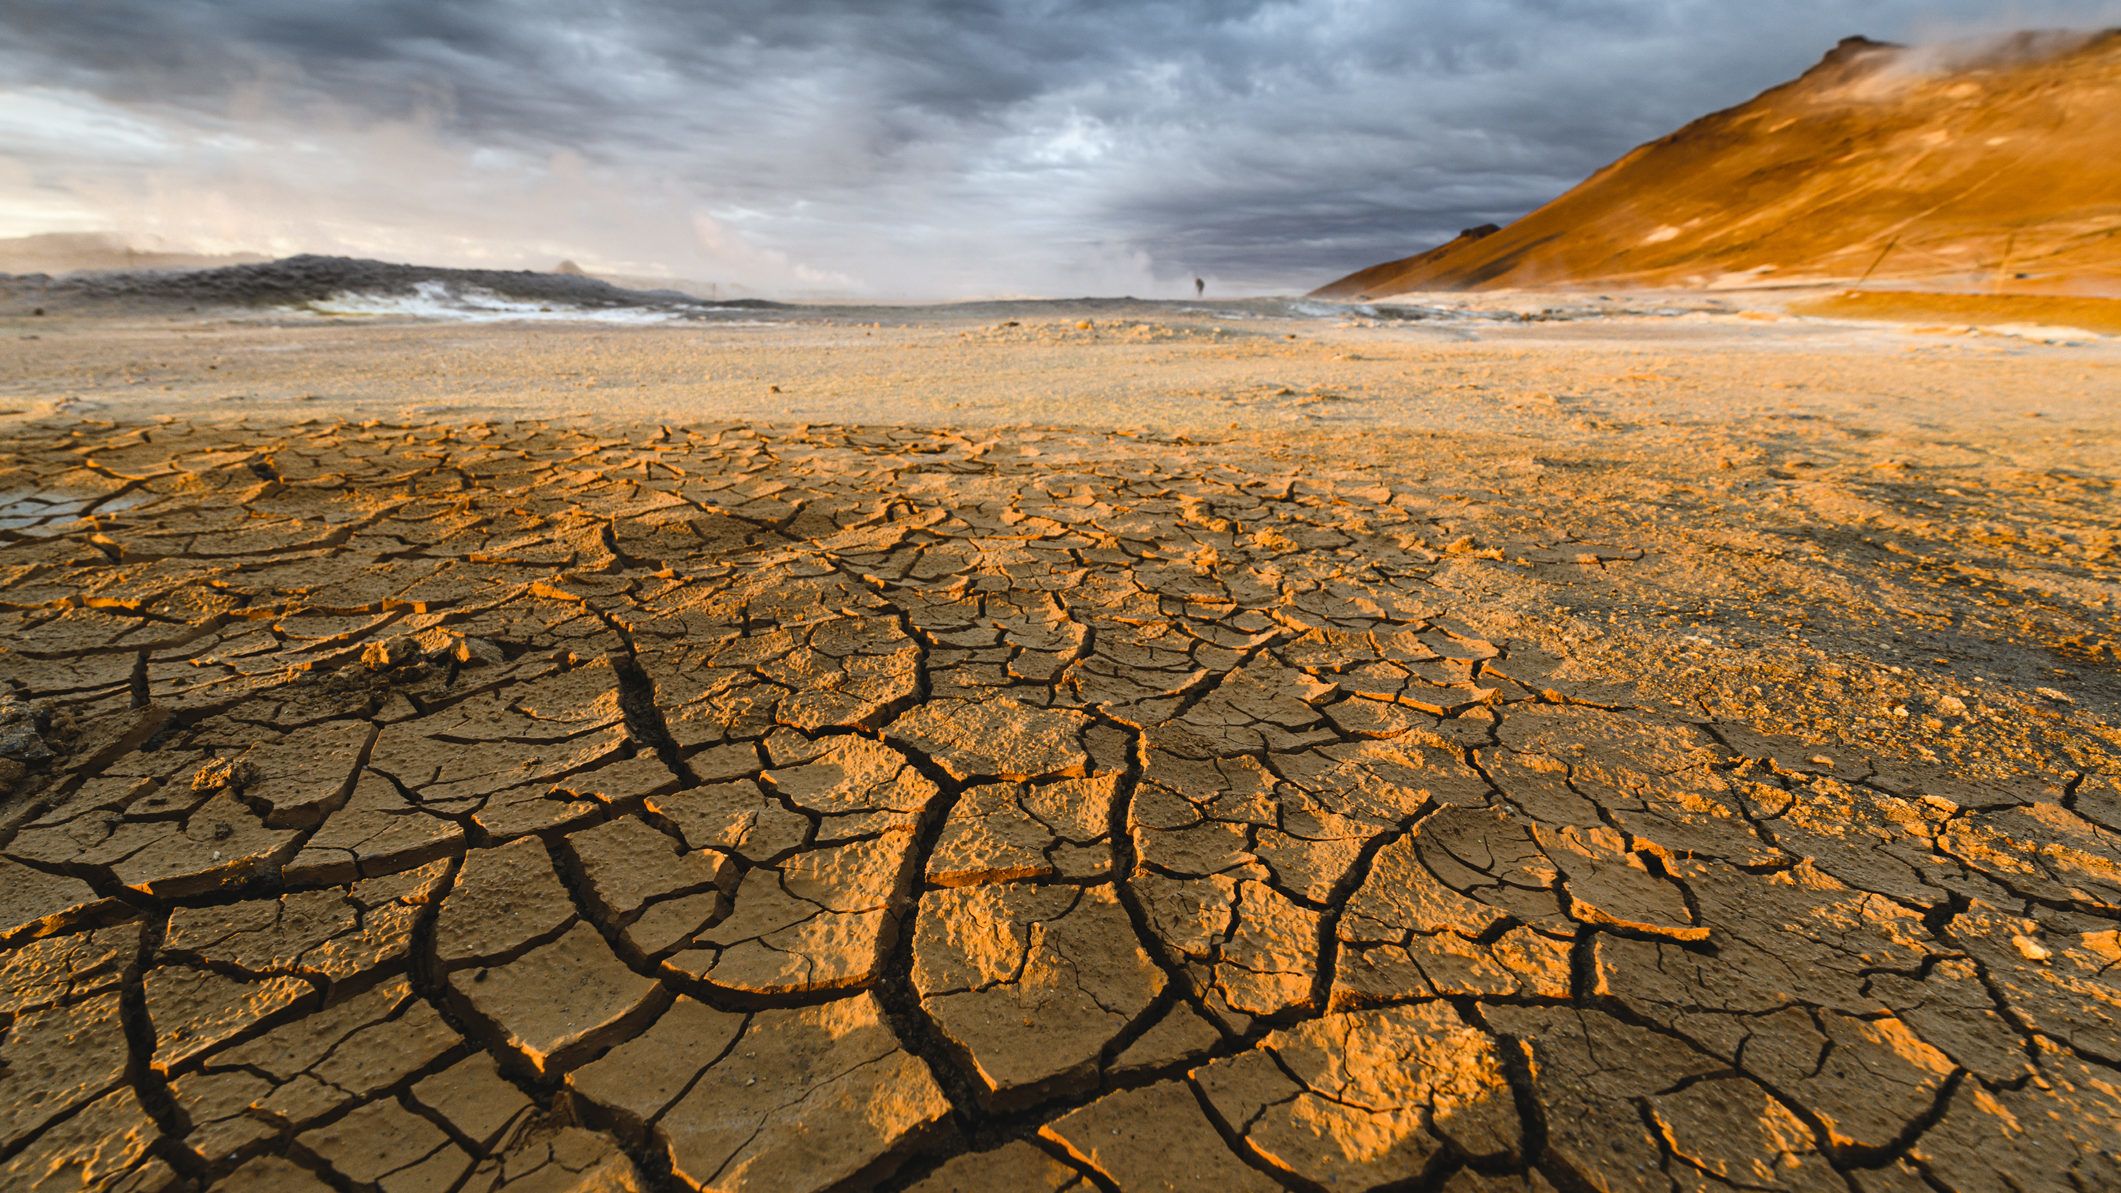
<point>1993,167</point>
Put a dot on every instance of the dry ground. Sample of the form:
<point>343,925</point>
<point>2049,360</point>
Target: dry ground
<point>1634,755</point>
<point>2101,315</point>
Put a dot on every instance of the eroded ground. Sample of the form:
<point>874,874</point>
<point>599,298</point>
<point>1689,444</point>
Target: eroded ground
<point>479,805</point>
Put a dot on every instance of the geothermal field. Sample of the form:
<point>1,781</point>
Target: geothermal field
<point>1533,746</point>
<point>1629,700</point>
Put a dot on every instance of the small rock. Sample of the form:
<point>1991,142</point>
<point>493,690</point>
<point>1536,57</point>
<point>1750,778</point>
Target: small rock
<point>393,654</point>
<point>223,774</point>
<point>476,652</point>
<point>21,739</point>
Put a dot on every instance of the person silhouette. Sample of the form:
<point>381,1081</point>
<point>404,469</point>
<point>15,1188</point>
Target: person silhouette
<point>1199,287</point>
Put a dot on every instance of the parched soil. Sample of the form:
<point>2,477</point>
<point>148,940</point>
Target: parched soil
<point>423,804</point>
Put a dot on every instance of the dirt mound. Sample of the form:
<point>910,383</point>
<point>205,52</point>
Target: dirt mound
<point>1989,165</point>
<point>295,281</point>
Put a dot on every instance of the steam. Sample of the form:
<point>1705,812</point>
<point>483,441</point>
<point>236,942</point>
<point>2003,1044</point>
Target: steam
<point>336,182</point>
<point>1995,51</point>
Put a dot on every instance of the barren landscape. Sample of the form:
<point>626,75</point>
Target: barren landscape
<point>1626,751</point>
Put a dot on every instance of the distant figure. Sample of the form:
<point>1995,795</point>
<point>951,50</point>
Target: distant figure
<point>1199,287</point>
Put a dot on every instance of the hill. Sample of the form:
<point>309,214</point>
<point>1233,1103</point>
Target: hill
<point>294,281</point>
<point>1994,166</point>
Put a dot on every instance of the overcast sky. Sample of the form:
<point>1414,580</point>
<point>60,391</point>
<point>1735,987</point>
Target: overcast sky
<point>931,149</point>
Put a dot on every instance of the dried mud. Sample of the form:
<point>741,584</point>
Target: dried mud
<point>540,804</point>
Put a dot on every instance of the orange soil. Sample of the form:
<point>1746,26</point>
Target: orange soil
<point>1880,164</point>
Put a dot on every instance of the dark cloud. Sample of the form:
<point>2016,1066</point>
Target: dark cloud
<point>949,146</point>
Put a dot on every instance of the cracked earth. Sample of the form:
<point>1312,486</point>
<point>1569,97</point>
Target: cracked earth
<point>411,805</point>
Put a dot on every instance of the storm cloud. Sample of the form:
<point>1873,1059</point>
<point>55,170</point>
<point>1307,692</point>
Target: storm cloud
<point>944,148</point>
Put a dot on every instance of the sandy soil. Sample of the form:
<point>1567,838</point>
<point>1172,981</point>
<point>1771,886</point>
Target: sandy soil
<point>1626,753</point>
<point>2101,315</point>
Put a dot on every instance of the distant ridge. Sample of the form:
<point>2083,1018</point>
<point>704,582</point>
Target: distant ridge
<point>1993,166</point>
<point>292,281</point>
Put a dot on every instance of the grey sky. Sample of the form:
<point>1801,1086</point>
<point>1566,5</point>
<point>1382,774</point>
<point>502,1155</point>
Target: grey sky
<point>952,147</point>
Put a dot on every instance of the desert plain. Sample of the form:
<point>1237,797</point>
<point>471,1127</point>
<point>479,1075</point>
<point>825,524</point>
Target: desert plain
<point>1575,744</point>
